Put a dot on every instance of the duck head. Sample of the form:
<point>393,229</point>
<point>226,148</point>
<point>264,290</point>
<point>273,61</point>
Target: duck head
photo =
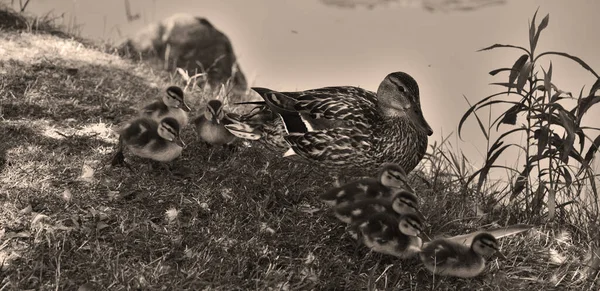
<point>175,98</point>
<point>214,111</point>
<point>407,203</point>
<point>168,129</point>
<point>398,96</point>
<point>393,176</point>
<point>486,245</point>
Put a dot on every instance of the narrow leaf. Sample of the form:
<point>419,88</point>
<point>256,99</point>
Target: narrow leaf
<point>566,174</point>
<point>532,31</point>
<point>586,103</point>
<point>507,85</point>
<point>516,68</point>
<point>510,116</point>
<point>503,45</point>
<point>543,25</point>
<point>567,124</point>
<point>595,87</point>
<point>523,75</point>
<point>472,109</point>
<point>479,121</point>
<point>592,150</point>
<point>574,58</point>
<point>495,72</point>
<point>548,79</point>
<point>489,163</point>
<point>544,132</point>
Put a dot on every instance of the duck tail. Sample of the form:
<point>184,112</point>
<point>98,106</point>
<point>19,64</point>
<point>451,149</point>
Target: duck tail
<point>238,127</point>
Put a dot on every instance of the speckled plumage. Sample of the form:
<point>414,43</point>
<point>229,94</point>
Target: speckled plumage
<point>381,233</point>
<point>141,137</point>
<point>451,258</point>
<point>172,104</point>
<point>344,127</point>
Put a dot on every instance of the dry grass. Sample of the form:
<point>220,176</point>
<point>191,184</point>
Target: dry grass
<point>242,221</point>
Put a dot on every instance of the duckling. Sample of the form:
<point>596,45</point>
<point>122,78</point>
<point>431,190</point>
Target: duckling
<point>211,125</point>
<point>450,258</point>
<point>172,105</point>
<point>148,139</point>
<point>388,234</point>
<point>403,203</point>
<point>390,180</point>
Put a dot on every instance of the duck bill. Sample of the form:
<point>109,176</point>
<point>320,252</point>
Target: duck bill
<point>417,117</point>
<point>185,107</point>
<point>419,214</point>
<point>180,142</point>
<point>499,255</point>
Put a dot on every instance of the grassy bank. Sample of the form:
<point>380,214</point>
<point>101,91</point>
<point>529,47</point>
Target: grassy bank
<point>246,220</point>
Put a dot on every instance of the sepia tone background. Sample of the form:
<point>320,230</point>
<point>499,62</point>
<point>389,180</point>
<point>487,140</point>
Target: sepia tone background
<point>296,45</point>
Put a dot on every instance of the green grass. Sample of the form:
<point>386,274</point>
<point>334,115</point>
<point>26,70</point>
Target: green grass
<point>248,220</point>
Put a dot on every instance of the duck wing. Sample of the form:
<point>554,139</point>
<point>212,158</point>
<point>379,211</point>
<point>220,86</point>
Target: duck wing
<point>315,109</point>
<point>442,253</point>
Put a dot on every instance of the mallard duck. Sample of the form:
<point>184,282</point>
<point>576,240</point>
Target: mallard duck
<point>211,125</point>
<point>342,127</point>
<point>146,138</point>
<point>358,211</point>
<point>172,105</point>
<point>450,258</point>
<point>390,180</point>
<point>497,232</point>
<point>392,235</point>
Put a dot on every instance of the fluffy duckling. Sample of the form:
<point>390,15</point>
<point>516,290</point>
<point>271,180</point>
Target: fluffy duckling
<point>403,203</point>
<point>392,235</point>
<point>148,139</point>
<point>211,125</point>
<point>172,105</point>
<point>390,180</point>
<point>450,258</point>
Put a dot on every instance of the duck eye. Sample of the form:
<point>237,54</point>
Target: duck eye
<point>380,240</point>
<point>402,89</point>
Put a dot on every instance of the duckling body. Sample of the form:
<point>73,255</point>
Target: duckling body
<point>390,180</point>
<point>450,258</point>
<point>148,139</point>
<point>392,235</point>
<point>344,127</point>
<point>210,126</point>
<point>171,105</point>
<point>358,211</point>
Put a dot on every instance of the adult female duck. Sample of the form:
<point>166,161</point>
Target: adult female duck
<point>343,127</point>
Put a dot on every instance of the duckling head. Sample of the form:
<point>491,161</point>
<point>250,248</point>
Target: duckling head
<point>398,96</point>
<point>175,98</point>
<point>407,203</point>
<point>410,225</point>
<point>486,245</point>
<point>168,129</point>
<point>214,111</point>
<point>393,176</point>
